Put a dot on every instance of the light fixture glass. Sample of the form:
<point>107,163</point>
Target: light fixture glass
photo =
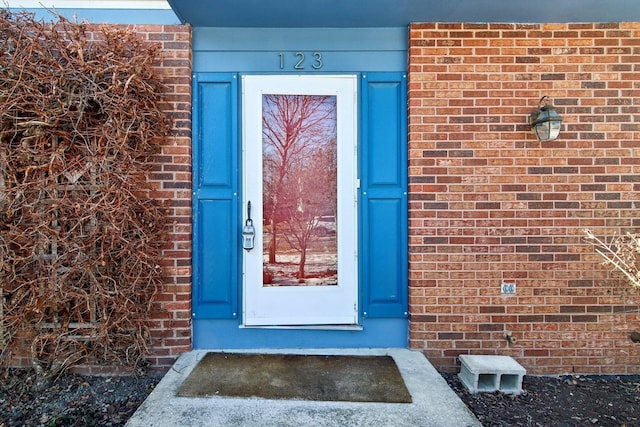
<point>545,121</point>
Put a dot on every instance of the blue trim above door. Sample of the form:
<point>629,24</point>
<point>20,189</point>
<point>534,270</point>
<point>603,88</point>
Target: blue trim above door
<point>277,50</point>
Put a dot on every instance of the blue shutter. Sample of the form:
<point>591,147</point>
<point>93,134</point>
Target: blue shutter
<point>384,244</point>
<point>215,198</point>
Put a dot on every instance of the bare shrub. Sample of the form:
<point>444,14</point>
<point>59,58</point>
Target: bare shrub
<point>80,238</point>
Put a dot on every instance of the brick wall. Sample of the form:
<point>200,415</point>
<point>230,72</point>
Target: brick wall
<point>171,326</point>
<point>489,203</point>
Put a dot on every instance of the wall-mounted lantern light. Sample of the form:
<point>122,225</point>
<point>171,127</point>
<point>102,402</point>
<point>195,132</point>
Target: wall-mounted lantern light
<point>545,121</point>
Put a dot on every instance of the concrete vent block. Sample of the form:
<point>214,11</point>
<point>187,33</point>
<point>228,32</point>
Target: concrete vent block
<point>480,373</point>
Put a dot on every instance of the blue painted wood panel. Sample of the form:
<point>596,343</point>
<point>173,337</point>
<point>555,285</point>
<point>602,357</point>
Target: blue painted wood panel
<point>294,39</point>
<point>215,258</point>
<point>386,286</point>
<point>225,334</point>
<point>384,259</point>
<point>215,199</point>
<point>215,134</point>
<point>383,129</point>
<point>258,49</point>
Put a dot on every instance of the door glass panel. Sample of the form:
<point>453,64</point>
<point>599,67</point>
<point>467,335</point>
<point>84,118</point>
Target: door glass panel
<point>299,166</point>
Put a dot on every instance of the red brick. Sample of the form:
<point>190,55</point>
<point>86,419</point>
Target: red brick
<point>541,195</point>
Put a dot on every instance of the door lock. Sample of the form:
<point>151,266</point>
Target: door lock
<point>248,231</point>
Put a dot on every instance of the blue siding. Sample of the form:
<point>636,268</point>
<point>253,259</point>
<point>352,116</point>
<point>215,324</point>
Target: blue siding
<point>215,201</point>
<point>384,243</point>
<point>258,49</point>
<point>225,334</point>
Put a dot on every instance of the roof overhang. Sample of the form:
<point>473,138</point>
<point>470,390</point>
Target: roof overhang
<point>395,13</point>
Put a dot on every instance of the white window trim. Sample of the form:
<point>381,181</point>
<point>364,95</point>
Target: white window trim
<point>84,4</point>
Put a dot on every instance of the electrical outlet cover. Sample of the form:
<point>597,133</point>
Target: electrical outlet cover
<point>508,288</point>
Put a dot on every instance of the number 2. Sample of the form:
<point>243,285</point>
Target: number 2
<point>299,65</point>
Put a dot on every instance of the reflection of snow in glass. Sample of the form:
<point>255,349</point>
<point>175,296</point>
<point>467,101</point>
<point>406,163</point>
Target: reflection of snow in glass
<point>321,270</point>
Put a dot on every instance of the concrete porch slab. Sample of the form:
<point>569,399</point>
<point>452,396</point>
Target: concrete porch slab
<point>434,403</point>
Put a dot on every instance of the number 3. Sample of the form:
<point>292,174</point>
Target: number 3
<point>318,61</point>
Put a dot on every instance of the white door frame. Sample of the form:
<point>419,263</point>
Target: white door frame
<point>301,305</point>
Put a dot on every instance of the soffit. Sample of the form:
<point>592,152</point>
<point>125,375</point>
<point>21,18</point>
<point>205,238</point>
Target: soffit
<point>396,13</point>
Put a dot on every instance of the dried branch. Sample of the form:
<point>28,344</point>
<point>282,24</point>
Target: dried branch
<point>80,240</point>
<point>622,253</point>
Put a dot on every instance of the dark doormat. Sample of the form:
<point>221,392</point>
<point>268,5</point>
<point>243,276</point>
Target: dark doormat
<point>298,377</point>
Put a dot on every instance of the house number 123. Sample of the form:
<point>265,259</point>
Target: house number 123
<point>300,60</point>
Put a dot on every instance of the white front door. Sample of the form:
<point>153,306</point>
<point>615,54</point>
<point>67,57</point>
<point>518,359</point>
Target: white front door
<point>299,168</point>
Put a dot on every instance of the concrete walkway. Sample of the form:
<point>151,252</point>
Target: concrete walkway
<point>434,403</point>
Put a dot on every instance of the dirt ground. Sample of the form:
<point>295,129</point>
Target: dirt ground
<point>76,400</point>
<point>72,400</point>
<point>558,401</point>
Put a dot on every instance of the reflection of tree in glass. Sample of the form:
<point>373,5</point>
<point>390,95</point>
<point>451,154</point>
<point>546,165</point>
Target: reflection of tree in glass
<point>308,198</point>
<point>299,167</point>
